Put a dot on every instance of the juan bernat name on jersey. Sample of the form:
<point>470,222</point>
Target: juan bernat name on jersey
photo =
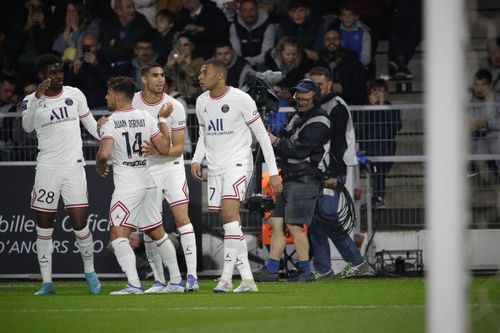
<point>132,123</point>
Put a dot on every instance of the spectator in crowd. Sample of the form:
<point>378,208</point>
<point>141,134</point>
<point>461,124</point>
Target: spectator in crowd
<point>78,23</point>
<point>91,71</point>
<point>492,62</point>
<point>325,223</point>
<point>349,77</point>
<point>119,34</point>
<point>252,34</point>
<point>148,8</point>
<point>144,54</point>
<point>228,7</point>
<point>485,118</point>
<point>288,58</point>
<point>183,66</point>
<point>163,36</point>
<point>205,23</point>
<point>302,25</point>
<point>33,39</point>
<point>377,130</point>
<point>276,9</point>
<point>406,34</point>
<point>300,146</point>
<point>355,35</point>
<point>227,118</point>
<point>7,105</point>
<point>237,67</point>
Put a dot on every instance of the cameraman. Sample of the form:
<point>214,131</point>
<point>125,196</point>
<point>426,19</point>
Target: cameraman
<point>90,72</point>
<point>300,147</point>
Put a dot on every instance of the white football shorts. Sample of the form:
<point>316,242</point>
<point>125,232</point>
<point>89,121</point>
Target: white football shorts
<point>50,184</point>
<point>175,188</point>
<point>136,209</point>
<point>229,185</point>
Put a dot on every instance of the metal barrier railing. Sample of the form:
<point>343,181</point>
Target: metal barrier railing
<point>392,137</point>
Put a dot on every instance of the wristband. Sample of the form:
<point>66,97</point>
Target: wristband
<point>162,120</point>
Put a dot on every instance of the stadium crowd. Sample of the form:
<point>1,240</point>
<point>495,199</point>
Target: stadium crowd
<point>101,39</point>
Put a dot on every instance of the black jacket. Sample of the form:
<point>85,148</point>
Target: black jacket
<point>301,143</point>
<point>347,70</point>
<point>216,28</point>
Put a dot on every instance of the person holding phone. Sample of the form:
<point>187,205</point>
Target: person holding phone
<point>183,66</point>
<point>90,71</point>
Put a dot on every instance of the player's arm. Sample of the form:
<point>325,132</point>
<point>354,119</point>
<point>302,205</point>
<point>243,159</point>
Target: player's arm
<point>177,139</point>
<point>28,108</point>
<point>30,105</point>
<point>90,124</point>
<point>161,140</point>
<point>103,154</point>
<point>200,151</point>
<point>86,118</point>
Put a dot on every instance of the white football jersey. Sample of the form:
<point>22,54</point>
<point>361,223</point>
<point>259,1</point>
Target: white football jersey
<point>225,121</point>
<point>128,129</point>
<point>176,122</point>
<point>57,125</point>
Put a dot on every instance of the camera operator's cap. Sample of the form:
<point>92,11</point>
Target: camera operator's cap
<point>307,85</point>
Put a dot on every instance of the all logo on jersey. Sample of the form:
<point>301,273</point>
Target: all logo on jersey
<point>68,101</point>
<point>224,108</point>
<point>59,114</point>
<point>216,125</point>
<point>24,105</point>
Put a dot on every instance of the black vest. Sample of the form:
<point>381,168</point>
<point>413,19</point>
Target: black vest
<point>251,40</point>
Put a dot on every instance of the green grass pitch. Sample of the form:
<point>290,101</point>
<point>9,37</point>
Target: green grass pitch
<point>350,305</point>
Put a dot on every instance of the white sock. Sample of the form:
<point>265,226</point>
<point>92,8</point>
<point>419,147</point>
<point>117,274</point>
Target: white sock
<point>169,257</point>
<point>232,237</point>
<point>242,263</point>
<point>154,259</point>
<point>188,241</point>
<point>44,252</point>
<point>86,245</point>
<point>126,258</point>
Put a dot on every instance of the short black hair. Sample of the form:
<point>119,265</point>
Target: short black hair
<point>223,43</point>
<point>483,74</point>
<point>217,64</point>
<point>145,69</point>
<point>7,78</point>
<point>166,14</point>
<point>45,60</point>
<point>378,84</point>
<point>298,3</point>
<point>122,84</point>
<point>320,70</point>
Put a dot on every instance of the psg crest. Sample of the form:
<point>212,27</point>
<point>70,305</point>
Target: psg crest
<point>68,101</point>
<point>224,108</point>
